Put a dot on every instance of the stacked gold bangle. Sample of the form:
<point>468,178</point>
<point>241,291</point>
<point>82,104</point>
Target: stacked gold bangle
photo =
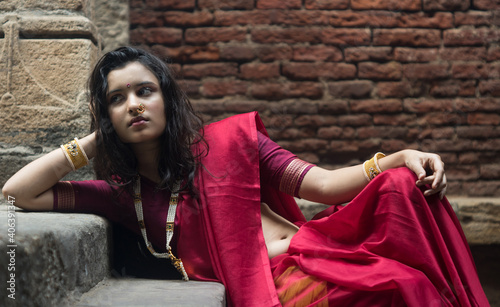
<point>75,154</point>
<point>371,168</point>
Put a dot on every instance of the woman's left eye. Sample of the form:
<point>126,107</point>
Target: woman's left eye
<point>145,91</point>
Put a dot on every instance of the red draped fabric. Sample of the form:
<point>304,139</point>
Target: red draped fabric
<point>229,205</point>
<point>390,246</point>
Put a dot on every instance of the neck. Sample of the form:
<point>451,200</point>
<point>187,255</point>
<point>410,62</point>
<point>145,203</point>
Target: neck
<point>147,158</point>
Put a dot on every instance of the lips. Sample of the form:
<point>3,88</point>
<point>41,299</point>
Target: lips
<point>138,120</point>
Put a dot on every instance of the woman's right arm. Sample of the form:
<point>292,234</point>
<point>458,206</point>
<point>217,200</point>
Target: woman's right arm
<point>32,185</point>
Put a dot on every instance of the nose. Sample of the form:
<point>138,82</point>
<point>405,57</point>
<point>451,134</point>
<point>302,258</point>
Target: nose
<point>132,103</point>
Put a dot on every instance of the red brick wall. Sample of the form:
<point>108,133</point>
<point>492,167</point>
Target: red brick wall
<point>336,81</point>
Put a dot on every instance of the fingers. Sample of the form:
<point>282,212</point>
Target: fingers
<point>437,179</point>
<point>438,167</point>
<point>440,187</point>
<point>426,180</point>
<point>440,191</point>
<point>417,168</point>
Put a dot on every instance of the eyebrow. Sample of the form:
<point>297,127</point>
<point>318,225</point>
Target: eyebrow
<point>119,89</point>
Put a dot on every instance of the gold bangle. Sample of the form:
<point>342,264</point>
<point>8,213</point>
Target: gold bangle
<point>377,156</point>
<point>75,154</point>
<point>371,168</point>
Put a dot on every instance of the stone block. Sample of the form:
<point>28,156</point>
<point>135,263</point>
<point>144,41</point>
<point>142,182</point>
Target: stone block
<point>51,26</point>
<point>480,219</point>
<point>42,81</point>
<point>131,292</point>
<point>54,257</point>
<point>42,94</point>
<point>84,7</point>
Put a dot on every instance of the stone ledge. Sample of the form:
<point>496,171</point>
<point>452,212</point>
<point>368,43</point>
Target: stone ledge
<point>57,256</point>
<point>48,6</point>
<point>125,292</point>
<point>479,217</point>
<point>54,26</point>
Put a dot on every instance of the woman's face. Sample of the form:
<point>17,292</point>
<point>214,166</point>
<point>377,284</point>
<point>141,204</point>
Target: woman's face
<point>128,87</point>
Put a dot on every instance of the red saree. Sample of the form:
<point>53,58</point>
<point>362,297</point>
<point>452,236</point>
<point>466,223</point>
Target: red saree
<point>391,246</point>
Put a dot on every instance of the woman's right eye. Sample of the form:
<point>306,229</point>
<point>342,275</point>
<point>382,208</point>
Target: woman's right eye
<point>115,99</point>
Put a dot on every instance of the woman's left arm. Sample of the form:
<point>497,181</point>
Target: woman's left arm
<point>342,185</point>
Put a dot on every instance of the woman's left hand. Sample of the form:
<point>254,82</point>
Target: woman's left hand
<point>429,169</point>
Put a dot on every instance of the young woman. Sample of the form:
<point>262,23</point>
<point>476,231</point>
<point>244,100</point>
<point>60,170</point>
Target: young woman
<point>218,202</point>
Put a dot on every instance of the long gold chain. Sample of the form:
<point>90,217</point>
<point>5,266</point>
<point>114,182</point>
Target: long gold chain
<point>169,228</point>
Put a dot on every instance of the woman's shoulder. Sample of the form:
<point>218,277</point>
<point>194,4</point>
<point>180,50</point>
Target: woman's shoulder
<point>249,122</point>
<point>243,117</point>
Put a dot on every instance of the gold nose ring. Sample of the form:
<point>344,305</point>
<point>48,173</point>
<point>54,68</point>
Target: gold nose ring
<point>141,108</point>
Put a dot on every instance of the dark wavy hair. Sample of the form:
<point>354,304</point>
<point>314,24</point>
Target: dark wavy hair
<point>114,161</point>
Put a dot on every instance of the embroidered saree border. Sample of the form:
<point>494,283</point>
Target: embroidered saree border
<point>65,196</point>
<point>291,176</point>
<point>297,289</point>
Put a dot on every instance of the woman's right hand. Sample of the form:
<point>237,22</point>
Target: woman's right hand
<point>32,185</point>
<point>429,169</point>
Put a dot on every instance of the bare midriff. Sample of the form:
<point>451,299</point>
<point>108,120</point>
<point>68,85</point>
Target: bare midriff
<point>278,232</point>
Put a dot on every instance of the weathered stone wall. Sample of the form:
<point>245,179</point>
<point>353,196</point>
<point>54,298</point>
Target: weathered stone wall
<point>336,81</point>
<point>111,19</point>
<point>47,49</point>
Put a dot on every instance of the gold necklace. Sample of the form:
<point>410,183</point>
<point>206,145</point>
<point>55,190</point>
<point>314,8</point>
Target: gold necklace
<point>172,208</point>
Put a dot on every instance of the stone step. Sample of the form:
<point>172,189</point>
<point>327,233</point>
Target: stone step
<point>54,257</point>
<point>133,292</point>
<point>63,259</point>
